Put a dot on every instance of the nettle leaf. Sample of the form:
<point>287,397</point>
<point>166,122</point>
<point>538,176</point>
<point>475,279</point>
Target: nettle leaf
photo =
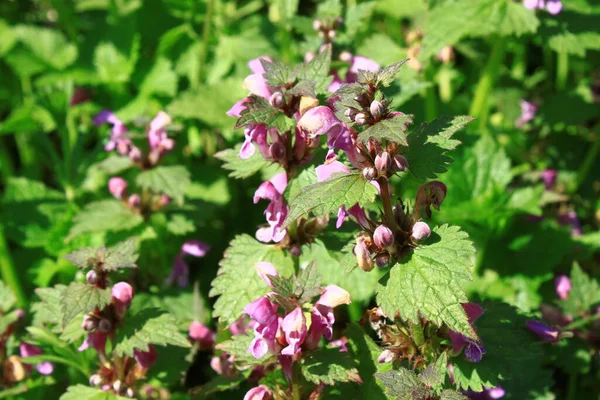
<point>122,255</point>
<point>48,311</point>
<point>513,359</point>
<point>148,326</point>
<point>329,366</point>
<point>585,292</point>
<point>387,75</point>
<point>81,298</point>
<point>277,73</point>
<point>82,392</point>
<point>306,178</point>
<point>7,297</point>
<point>428,144</point>
<point>238,346</point>
<point>328,196</point>
<point>429,281</point>
<point>400,383</point>
<point>240,168</point>
<point>392,130</point>
<point>180,225</point>
<point>171,180</point>
<point>317,70</point>
<point>259,111</point>
<point>237,283</point>
<point>452,395</point>
<point>48,45</point>
<point>105,215</point>
<point>303,88</point>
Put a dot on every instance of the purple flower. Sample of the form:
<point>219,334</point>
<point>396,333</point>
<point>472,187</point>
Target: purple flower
<point>202,334</point>
<point>319,121</point>
<point>294,328</point>
<point>562,285</point>
<point>267,324</point>
<point>180,271</point>
<point>570,218</point>
<point>548,176</point>
<point>276,211</point>
<point>342,343</point>
<point>158,140</point>
<point>421,230</point>
<point>473,350</point>
<point>29,350</point>
<point>383,237</point>
<point>117,139</point>
<point>145,359</point>
<point>545,332</point>
<point>117,187</point>
<point>122,295</point>
<point>528,111</point>
<point>258,393</point>
<point>95,339</point>
<point>487,394</point>
<point>552,6</point>
<point>256,83</point>
<point>236,110</point>
<point>322,320</point>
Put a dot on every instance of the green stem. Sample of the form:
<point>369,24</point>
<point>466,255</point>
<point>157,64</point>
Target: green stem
<point>562,70</point>
<point>587,164</point>
<point>480,106</point>
<point>572,388</point>
<point>8,271</point>
<point>386,200</point>
<point>208,20</point>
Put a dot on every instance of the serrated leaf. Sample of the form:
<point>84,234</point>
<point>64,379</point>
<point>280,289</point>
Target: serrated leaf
<point>160,80</point>
<point>81,392</point>
<point>307,177</point>
<point>81,298</point>
<point>391,130</point>
<point>171,180</point>
<point>48,45</point>
<point>317,70</point>
<point>585,292</point>
<point>7,297</point>
<point>83,258</point>
<point>400,383</point>
<point>277,73</point>
<point>121,255</point>
<point>48,310</point>
<point>240,168</point>
<point>428,144</point>
<point>387,75</point>
<point>452,395</point>
<point>259,111</point>
<point>105,215</point>
<point>237,283</point>
<point>148,326</point>
<point>328,196</point>
<point>238,346</point>
<point>303,88</point>
<point>179,225</point>
<point>429,281</point>
<point>329,366</point>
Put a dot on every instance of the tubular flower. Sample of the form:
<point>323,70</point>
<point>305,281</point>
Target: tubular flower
<point>180,271</point>
<point>276,211</point>
<point>473,350</point>
<point>294,328</point>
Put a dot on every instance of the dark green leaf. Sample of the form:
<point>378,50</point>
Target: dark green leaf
<point>392,130</point>
<point>81,298</point>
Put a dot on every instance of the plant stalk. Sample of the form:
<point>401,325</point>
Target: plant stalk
<point>562,70</point>
<point>9,272</point>
<point>386,200</point>
<point>587,164</point>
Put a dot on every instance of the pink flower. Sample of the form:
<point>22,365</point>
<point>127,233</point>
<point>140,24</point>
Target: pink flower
<point>145,359</point>
<point>548,176</point>
<point>334,296</point>
<point>528,111</point>
<point>223,365</point>
<point>294,328</point>
<point>562,285</point>
<point>258,393</point>
<point>421,230</point>
<point>122,294</point>
<point>117,187</point>
<point>276,211</point>
<point>195,248</point>
<point>95,339</point>
<point>319,121</point>
<point>180,271</point>
<point>264,270</point>
<point>202,334</point>
<point>117,139</point>
<point>360,63</point>
<point>29,350</point>
<point>383,237</point>
<point>571,219</point>
<point>236,110</point>
<point>256,83</point>
<point>322,320</point>
<point>552,6</point>
<point>265,314</point>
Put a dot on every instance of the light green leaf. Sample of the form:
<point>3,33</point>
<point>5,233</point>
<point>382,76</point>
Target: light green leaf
<point>584,294</point>
<point>307,177</point>
<point>387,75</point>
<point>49,45</point>
<point>328,196</point>
<point>400,383</point>
<point>171,180</point>
<point>238,346</point>
<point>240,168</point>
<point>113,65</point>
<point>160,80</point>
<point>259,111</point>
<point>105,215</point>
<point>329,366</point>
<point>148,326</point>
<point>357,17</point>
<point>81,392</point>
<point>391,130</point>
<point>7,298</point>
<point>81,298</point>
<point>317,70</point>
<point>237,283</point>
<point>179,225</point>
<point>7,37</point>
<point>429,281</point>
<point>122,255</point>
<point>428,144</point>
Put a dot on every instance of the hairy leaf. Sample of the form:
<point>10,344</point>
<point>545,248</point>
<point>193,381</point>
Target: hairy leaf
<point>171,180</point>
<point>329,366</point>
<point>238,346</point>
<point>387,75</point>
<point>392,130</point>
<point>400,383</point>
<point>105,215</point>
<point>81,298</point>
<point>317,70</point>
<point>259,111</point>
<point>241,168</point>
<point>82,392</point>
<point>429,281</point>
<point>325,197</point>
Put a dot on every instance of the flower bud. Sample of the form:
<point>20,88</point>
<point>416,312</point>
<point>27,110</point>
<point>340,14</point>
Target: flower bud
<point>129,393</point>
<point>383,161</point>
<point>13,370</point>
<point>376,108</point>
<point>562,285</point>
<point>167,144</point>
<point>386,356</point>
<point>369,173</point>
<point>134,200</point>
<point>105,325</point>
<point>117,386</point>
<point>363,255</point>
<point>420,231</point>
<point>350,113</point>
<point>317,25</point>
<point>544,332</point>
<point>383,237</point>
<point>334,296</point>
<point>360,119</point>
<point>91,277</point>
<point>258,393</point>
<point>276,100</point>
<point>135,154</point>
<point>95,380</point>
<point>346,56</point>
<point>382,260</point>
<point>117,187</point>
<point>89,323</point>
<point>296,251</point>
<point>122,294</point>
<point>277,150</point>
<point>145,359</point>
<point>399,163</point>
<point>19,313</point>
<point>332,33</point>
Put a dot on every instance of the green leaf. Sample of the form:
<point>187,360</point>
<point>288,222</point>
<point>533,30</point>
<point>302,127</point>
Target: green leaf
<point>48,311</point>
<point>240,168</point>
<point>122,255</point>
<point>160,80</point>
<point>237,283</point>
<point>307,177</point>
<point>28,118</point>
<point>48,45</point>
<point>400,383</point>
<point>428,144</point>
<point>81,298</point>
<point>429,281</point>
<point>148,326</point>
<point>328,196</point>
<point>8,37</point>
<point>358,16</point>
<point>387,75</point>
<point>329,366</point>
<point>171,180</point>
<point>259,111</point>
<point>113,65</point>
<point>391,130</point>
<point>317,70</point>
<point>105,215</point>
<point>277,73</point>
<point>452,395</point>
<point>513,359</point>
<point>585,292</point>
<point>180,225</point>
<point>7,298</point>
<point>81,392</point>
<point>238,346</point>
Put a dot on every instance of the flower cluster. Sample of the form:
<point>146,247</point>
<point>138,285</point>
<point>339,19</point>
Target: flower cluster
<point>528,111</point>
<point>552,6</point>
